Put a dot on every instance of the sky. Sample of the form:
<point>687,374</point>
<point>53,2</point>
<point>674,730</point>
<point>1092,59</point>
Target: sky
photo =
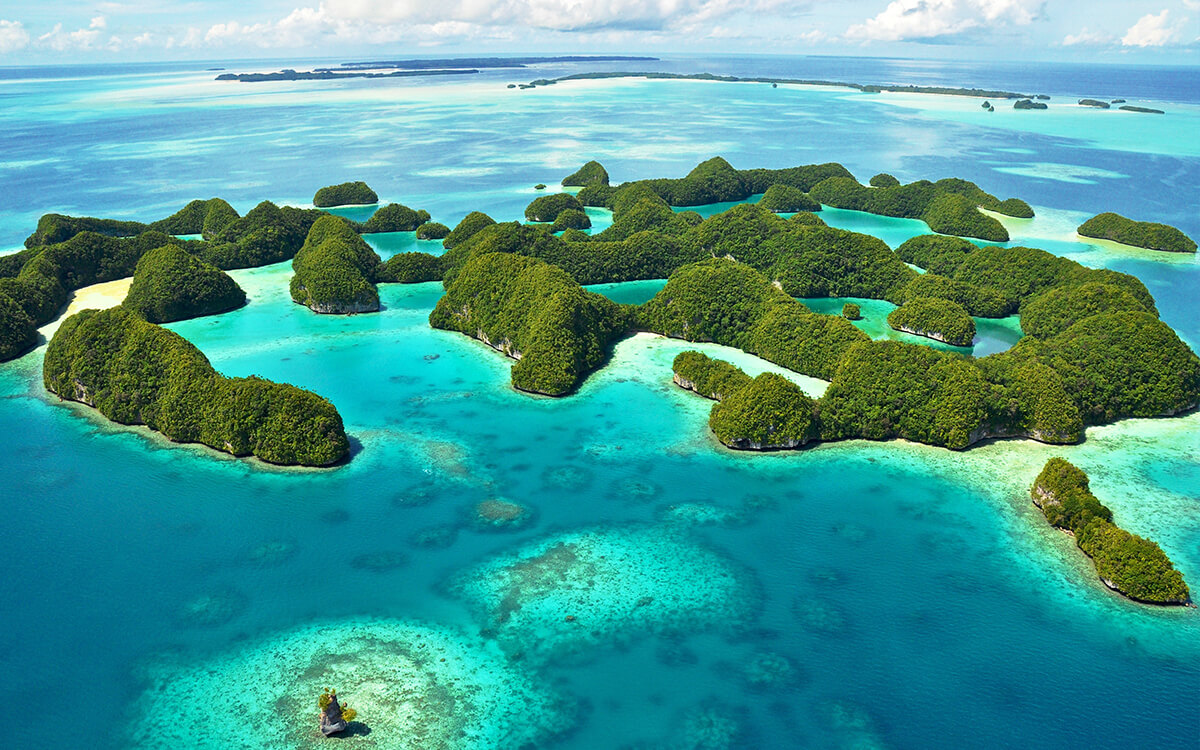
<point>1129,31</point>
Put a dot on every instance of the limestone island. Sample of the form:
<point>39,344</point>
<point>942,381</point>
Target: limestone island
<point>345,194</point>
<point>394,217</point>
<point>939,319</point>
<point>138,373</point>
<point>1145,234</point>
<point>1029,104</point>
<point>1094,103</point>
<point>335,270</point>
<point>851,311</point>
<point>1128,564</point>
<point>170,284</point>
<point>1143,110</point>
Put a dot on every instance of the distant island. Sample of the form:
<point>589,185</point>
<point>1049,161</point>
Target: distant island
<point>415,67</point>
<point>866,88</point>
<point>488,62</point>
<point>288,74</point>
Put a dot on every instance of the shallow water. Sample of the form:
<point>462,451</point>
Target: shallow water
<point>870,594</point>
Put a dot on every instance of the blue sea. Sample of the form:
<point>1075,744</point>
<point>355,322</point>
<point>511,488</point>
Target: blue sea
<point>656,590</point>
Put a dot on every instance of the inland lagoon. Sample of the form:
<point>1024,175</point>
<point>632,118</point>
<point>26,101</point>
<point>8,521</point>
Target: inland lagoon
<point>477,566</point>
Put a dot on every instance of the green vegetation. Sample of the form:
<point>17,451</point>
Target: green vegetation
<point>17,332</point>
<point>730,303</point>
<point>534,312</point>
<point>1143,110</point>
<point>470,224</point>
<point>936,253</point>
<point>883,179</point>
<point>592,173</point>
<point>571,218</point>
<point>56,228</point>
<point>1029,104</point>
<point>394,217</point>
<point>712,181</point>
<point>169,285</point>
<point>888,389</point>
<point>785,199</point>
<point>1129,564</point>
<point>344,194</point>
<point>1057,309</point>
<point>827,262</point>
<point>546,208</point>
<point>205,218</point>
<point>939,319</point>
<point>135,372</point>
<point>409,268</point>
<point>1152,236</point>
<point>1094,103</point>
<point>266,234</point>
<point>770,412</point>
<point>948,206</point>
<point>711,378</point>
<point>328,697</point>
<point>1121,364</point>
<point>540,186</point>
<point>981,301</point>
<point>335,270</point>
<point>851,311</point>
<point>432,231</point>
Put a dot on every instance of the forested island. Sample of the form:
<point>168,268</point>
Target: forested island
<point>1094,350</point>
<point>345,194</point>
<point>865,88</point>
<point>1126,563</point>
<point>288,74</point>
<point>137,373</point>
<point>1145,234</point>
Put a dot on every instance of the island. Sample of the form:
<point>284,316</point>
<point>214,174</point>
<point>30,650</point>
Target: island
<point>1094,351</point>
<point>865,88</point>
<point>170,284</point>
<point>785,199</point>
<point>851,311</point>
<point>546,208</point>
<point>1029,104</point>
<point>1094,103</point>
<point>1131,565</point>
<point>432,231</point>
<point>571,218</point>
<point>394,217</point>
<point>592,173</point>
<point>939,319</point>
<point>345,194</point>
<point>137,373</point>
<point>288,74</point>
<point>465,229</point>
<point>203,217</point>
<point>335,270</point>
<point>1143,110</point>
<point>1145,234</point>
<point>535,313</point>
<point>885,180</point>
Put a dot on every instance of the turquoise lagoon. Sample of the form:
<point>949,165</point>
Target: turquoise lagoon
<point>851,595</point>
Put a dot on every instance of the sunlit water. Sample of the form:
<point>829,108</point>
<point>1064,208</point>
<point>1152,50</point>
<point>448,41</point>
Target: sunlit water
<point>851,595</point>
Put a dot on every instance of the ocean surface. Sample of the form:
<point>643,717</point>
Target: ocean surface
<point>659,591</point>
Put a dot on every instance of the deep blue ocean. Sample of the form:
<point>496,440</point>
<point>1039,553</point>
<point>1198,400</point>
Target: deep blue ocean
<point>660,591</point>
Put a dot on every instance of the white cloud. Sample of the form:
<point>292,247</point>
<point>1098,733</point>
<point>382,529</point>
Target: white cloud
<point>1151,31</point>
<point>1087,37</point>
<point>13,36</point>
<point>1191,4</point>
<point>904,20</point>
<point>80,39</point>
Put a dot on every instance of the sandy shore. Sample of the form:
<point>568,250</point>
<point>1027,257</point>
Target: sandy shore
<point>94,297</point>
